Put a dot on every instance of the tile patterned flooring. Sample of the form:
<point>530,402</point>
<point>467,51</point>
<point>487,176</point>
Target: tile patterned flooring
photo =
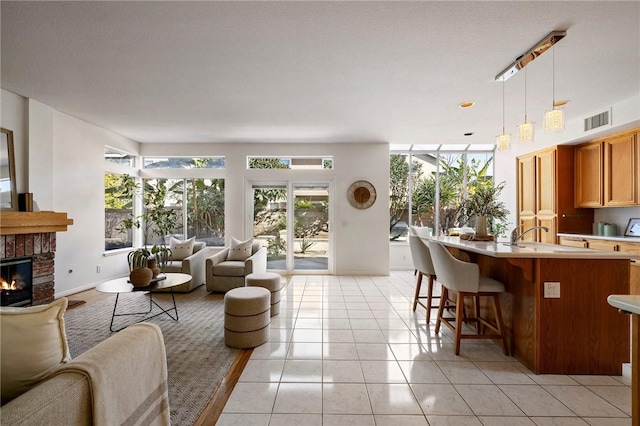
<point>350,351</point>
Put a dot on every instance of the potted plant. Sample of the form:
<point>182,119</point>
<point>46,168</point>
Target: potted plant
<point>483,205</point>
<point>155,221</point>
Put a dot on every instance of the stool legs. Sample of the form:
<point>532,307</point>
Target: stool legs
<point>418,285</point>
<point>429,296</point>
<point>456,323</point>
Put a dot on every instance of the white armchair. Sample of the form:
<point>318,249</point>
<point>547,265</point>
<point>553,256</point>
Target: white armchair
<point>192,265</point>
<point>222,275</point>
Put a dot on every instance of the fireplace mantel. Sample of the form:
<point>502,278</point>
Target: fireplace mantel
<point>18,223</point>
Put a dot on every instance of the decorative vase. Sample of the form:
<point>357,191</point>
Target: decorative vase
<point>153,265</point>
<point>481,226</point>
<point>141,277</point>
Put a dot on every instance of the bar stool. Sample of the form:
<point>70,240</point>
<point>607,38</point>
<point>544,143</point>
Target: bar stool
<point>424,266</point>
<point>465,279</point>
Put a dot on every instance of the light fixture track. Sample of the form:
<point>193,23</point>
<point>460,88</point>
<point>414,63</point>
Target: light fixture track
<point>527,57</point>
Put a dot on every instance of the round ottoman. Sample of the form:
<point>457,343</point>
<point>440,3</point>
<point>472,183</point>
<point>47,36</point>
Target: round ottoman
<point>270,281</point>
<point>246,317</point>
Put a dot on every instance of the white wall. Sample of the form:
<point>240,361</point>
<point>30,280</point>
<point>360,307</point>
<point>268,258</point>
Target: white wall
<point>61,160</point>
<point>624,115</point>
<point>361,236</point>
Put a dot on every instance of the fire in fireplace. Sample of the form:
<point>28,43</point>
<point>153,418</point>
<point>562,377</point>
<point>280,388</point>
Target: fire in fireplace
<point>16,282</point>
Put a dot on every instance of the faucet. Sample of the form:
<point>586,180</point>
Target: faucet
<point>515,237</point>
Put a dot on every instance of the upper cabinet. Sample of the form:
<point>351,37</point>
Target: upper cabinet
<point>588,175</point>
<point>606,171</point>
<point>621,170</point>
<point>545,194</point>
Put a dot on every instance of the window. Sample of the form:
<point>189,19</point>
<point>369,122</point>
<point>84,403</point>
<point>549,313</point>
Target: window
<point>119,190</point>
<point>294,163</point>
<point>205,210</point>
<point>174,205</point>
<point>184,162</point>
<point>427,185</point>
<point>118,157</point>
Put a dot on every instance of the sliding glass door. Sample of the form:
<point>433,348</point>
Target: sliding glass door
<point>291,219</point>
<point>311,227</point>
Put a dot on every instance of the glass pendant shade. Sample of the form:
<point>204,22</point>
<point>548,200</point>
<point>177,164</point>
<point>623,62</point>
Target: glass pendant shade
<point>503,142</point>
<point>526,132</point>
<point>554,120</point>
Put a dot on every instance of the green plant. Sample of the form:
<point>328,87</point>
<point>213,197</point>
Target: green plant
<point>156,220</point>
<point>276,246</point>
<point>306,244</point>
<point>303,205</point>
<point>138,258</point>
<point>483,200</point>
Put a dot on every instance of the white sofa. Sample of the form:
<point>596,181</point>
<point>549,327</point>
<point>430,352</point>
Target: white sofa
<point>122,380</point>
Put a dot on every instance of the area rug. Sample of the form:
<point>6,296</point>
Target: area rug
<point>197,358</point>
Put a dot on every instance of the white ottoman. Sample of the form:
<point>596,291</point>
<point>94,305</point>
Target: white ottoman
<point>270,281</point>
<point>247,315</point>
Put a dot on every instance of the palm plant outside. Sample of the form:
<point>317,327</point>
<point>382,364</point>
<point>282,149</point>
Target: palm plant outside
<point>458,181</point>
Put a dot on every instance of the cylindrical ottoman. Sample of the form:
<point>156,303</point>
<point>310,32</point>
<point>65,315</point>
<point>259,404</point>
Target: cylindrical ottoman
<point>247,316</point>
<point>270,281</point>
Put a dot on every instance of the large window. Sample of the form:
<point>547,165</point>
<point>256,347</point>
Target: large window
<point>428,183</point>
<point>118,207</point>
<point>295,163</point>
<point>184,162</point>
<point>147,211</point>
<point>196,205</point>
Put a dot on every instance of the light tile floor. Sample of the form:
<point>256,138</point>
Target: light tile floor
<point>350,351</point>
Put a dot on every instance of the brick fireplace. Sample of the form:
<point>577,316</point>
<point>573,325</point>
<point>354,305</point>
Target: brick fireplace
<point>33,235</point>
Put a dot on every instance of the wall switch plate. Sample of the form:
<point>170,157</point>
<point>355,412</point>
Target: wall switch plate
<point>98,269</point>
<point>552,290</point>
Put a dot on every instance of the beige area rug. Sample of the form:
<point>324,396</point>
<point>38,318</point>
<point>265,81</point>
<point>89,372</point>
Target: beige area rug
<point>197,357</point>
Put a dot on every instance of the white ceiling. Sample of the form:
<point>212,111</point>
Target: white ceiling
<point>315,71</point>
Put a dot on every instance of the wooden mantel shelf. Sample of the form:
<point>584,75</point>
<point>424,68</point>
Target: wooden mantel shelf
<point>16,223</point>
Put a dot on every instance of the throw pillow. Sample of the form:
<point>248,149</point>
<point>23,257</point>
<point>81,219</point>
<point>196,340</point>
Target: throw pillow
<point>180,250</point>
<point>240,250</point>
<point>34,345</point>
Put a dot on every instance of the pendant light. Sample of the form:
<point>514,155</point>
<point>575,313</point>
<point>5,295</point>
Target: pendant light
<point>526,129</point>
<point>554,118</point>
<point>503,141</point>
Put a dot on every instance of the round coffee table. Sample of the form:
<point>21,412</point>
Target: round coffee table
<point>122,285</point>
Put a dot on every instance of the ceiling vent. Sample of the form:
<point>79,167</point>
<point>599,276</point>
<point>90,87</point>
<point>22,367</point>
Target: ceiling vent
<point>596,121</point>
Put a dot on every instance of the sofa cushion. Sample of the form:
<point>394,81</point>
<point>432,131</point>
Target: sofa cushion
<point>229,268</point>
<point>199,245</point>
<point>34,345</point>
<point>180,250</point>
<point>240,250</point>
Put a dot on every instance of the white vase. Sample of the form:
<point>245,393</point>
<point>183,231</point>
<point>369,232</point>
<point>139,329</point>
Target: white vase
<point>481,226</point>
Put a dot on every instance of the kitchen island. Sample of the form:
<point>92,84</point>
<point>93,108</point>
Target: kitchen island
<point>571,329</point>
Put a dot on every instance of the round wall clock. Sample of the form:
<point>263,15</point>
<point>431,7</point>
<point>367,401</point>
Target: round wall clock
<point>361,194</point>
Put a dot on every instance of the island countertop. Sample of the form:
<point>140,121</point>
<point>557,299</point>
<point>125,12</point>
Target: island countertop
<point>530,250</point>
<point>627,303</point>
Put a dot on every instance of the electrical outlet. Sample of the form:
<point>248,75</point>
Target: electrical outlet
<point>552,290</point>
<point>98,269</point>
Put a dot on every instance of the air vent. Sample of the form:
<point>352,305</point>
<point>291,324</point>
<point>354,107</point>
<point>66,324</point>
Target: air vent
<point>596,121</point>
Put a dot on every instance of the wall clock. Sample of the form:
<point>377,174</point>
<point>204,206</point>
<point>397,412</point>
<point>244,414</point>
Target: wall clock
<point>361,194</point>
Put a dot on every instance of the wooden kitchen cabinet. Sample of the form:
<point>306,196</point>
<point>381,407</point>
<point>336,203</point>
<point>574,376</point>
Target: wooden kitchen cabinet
<point>572,242</point>
<point>606,171</point>
<point>588,175</point>
<point>526,197</point>
<point>621,170</point>
<point>546,173</point>
<point>604,245</point>
<point>545,194</point>
<point>613,245</point>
